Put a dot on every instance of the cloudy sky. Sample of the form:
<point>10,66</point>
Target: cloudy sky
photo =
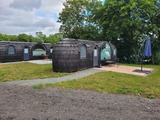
<point>29,16</point>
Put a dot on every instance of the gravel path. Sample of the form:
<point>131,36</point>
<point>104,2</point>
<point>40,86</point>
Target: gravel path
<point>73,76</point>
<point>25,103</point>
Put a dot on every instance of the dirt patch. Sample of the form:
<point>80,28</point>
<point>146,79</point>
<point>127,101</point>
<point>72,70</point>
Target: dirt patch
<point>26,103</point>
<point>127,69</point>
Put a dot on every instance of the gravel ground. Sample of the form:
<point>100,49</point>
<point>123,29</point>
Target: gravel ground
<point>26,103</point>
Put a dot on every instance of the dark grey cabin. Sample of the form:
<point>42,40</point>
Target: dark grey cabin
<point>70,55</point>
<point>22,51</point>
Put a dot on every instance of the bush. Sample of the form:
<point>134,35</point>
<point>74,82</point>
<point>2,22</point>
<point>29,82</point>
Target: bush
<point>157,58</point>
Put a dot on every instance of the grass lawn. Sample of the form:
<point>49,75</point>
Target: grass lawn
<point>117,83</point>
<point>24,71</point>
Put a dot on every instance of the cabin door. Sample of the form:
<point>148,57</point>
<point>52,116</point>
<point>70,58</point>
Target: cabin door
<point>95,57</point>
<point>26,54</point>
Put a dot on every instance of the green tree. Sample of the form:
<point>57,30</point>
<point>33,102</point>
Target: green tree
<point>4,37</point>
<point>126,24</point>
<point>23,38</point>
<point>31,38</point>
<point>77,19</point>
<point>40,37</point>
<point>53,39</point>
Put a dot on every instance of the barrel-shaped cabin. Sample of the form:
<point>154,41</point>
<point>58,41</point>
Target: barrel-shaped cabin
<point>22,51</point>
<point>70,55</point>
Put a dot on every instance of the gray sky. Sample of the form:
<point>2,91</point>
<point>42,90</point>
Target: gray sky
<point>29,16</point>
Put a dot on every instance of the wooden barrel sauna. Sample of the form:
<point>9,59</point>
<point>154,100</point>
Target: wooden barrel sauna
<point>65,56</point>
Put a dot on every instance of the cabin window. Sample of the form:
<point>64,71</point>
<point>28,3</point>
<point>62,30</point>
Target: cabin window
<point>26,50</point>
<point>83,52</point>
<point>51,49</point>
<point>114,52</point>
<point>95,52</point>
<point>11,50</point>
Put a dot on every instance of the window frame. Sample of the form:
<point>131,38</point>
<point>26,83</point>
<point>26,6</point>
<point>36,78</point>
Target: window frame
<point>51,50</point>
<point>95,51</point>
<point>83,52</point>
<point>9,51</point>
<point>26,50</point>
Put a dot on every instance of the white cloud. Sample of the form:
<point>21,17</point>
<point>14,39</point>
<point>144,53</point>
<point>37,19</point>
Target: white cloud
<point>27,5</point>
<point>52,5</point>
<point>29,16</point>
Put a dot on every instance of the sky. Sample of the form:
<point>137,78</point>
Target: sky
<point>29,16</point>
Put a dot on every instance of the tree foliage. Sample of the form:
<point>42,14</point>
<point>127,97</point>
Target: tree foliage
<point>23,38</point>
<point>53,39</point>
<point>77,19</point>
<point>126,23</point>
<point>40,38</point>
<point>4,37</point>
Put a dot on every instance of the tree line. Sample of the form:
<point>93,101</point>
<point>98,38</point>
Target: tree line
<point>40,38</point>
<point>125,23</point>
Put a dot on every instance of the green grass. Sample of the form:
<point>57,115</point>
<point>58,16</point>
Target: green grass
<point>24,71</point>
<point>116,83</point>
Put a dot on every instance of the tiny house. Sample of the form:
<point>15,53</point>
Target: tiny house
<point>22,51</point>
<point>70,55</point>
